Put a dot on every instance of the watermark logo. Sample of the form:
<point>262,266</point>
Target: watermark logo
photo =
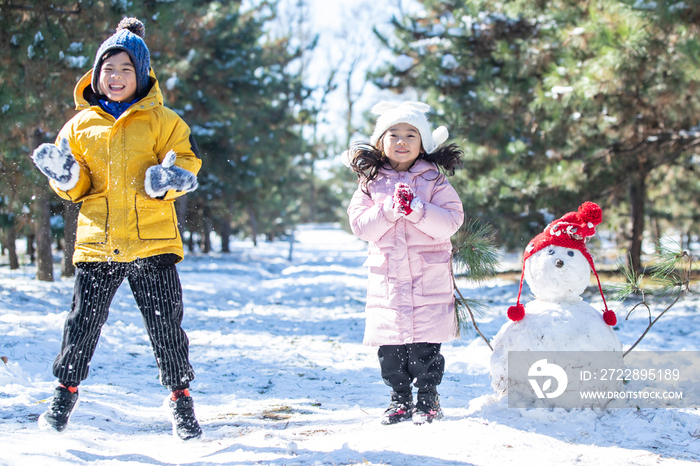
<point>542,368</point>
<point>603,379</point>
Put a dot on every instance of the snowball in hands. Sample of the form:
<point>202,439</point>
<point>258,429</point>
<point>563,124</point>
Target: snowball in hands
<point>388,209</point>
<point>162,178</point>
<point>58,164</point>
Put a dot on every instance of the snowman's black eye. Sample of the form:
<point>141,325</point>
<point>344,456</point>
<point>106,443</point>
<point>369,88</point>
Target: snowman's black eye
<point>550,252</point>
<point>571,253</point>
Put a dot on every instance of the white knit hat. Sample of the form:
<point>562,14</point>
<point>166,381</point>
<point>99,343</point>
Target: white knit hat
<point>413,113</point>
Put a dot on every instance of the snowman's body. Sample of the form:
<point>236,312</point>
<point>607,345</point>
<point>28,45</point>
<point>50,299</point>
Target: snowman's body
<point>558,319</point>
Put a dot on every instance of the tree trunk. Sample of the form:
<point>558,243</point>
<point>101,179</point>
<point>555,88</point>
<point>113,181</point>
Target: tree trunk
<point>12,247</point>
<point>206,235</point>
<point>253,224</point>
<point>226,230</point>
<point>190,242</point>
<point>70,221</point>
<point>42,220</point>
<point>637,202</point>
<point>30,248</point>
<point>42,232</point>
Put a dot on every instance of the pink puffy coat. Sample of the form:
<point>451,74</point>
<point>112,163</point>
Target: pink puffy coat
<point>410,296</point>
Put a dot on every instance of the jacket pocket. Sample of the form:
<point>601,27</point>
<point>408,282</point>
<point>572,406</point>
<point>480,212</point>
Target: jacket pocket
<point>378,272</point>
<point>155,219</point>
<point>436,278</point>
<point>92,221</point>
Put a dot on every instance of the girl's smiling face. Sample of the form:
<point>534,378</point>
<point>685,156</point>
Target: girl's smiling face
<point>402,145</point>
<point>118,78</point>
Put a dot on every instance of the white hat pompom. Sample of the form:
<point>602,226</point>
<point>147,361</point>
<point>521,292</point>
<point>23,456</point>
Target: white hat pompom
<point>345,158</point>
<point>440,135</point>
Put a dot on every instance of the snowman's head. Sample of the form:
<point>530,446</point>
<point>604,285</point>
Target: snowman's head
<point>557,274</point>
<point>557,264</point>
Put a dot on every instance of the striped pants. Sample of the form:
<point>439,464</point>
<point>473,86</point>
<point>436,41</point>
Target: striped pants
<point>156,287</point>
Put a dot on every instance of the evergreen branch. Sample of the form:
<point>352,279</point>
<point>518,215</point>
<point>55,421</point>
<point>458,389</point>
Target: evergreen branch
<point>75,11</point>
<point>669,260</point>
<point>461,305</point>
<point>643,303</point>
<point>632,283</point>
<point>476,251</point>
<point>651,323</point>
<point>672,272</point>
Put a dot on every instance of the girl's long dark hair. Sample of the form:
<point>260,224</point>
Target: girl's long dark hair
<point>366,160</point>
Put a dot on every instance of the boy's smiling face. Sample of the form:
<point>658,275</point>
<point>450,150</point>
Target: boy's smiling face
<point>118,78</point>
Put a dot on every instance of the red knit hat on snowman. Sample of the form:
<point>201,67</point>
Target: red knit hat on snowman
<point>571,231</point>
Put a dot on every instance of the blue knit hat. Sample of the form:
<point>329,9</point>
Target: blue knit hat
<point>128,38</point>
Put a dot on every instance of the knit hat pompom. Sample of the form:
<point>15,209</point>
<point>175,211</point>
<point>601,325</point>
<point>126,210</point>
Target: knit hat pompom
<point>610,318</point>
<point>589,212</point>
<point>133,25</point>
<point>517,312</point>
<point>127,38</point>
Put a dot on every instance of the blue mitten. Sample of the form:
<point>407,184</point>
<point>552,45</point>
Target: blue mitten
<point>58,164</point>
<point>162,178</point>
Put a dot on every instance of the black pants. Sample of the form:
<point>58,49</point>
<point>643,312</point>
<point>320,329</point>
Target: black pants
<point>420,363</point>
<point>156,287</point>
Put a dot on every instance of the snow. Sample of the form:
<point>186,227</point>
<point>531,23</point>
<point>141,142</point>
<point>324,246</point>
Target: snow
<point>403,63</point>
<point>76,62</point>
<point>283,377</point>
<point>172,82</point>
<point>562,90</point>
<point>75,47</point>
<point>449,62</point>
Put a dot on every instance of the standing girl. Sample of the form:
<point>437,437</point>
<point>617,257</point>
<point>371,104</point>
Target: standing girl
<point>125,157</point>
<point>407,210</point>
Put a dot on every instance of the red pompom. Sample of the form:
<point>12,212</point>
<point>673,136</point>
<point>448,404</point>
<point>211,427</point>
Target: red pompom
<point>610,318</point>
<point>517,312</point>
<point>589,212</point>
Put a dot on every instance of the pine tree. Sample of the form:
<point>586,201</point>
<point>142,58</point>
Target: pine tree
<point>558,102</point>
<point>41,52</point>
<point>218,67</point>
<point>231,80</point>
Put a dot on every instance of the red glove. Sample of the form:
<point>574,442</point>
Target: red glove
<point>403,195</point>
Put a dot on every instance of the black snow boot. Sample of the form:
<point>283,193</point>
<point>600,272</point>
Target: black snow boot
<point>55,419</point>
<point>185,425</point>
<point>427,409</point>
<point>400,409</point>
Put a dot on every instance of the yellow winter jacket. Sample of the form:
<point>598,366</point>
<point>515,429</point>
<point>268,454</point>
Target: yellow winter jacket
<point>118,221</point>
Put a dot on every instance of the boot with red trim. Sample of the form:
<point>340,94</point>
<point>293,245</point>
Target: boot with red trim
<point>185,425</point>
<point>427,409</point>
<point>55,419</point>
<point>400,409</point>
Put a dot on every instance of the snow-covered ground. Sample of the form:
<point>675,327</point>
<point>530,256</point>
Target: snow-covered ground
<point>283,377</point>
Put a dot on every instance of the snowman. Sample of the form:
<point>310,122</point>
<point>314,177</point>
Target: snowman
<point>557,266</point>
